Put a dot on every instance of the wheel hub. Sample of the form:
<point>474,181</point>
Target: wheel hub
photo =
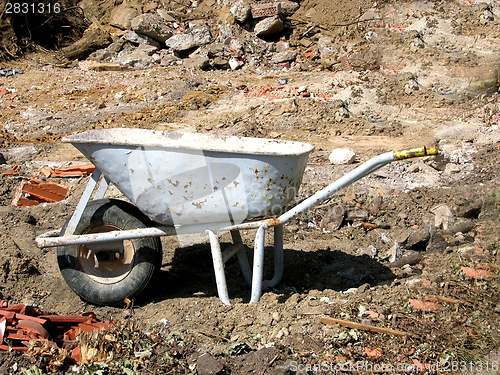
<point>107,263</point>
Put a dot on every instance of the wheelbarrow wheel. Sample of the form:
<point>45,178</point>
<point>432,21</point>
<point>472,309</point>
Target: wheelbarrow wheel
<point>106,274</point>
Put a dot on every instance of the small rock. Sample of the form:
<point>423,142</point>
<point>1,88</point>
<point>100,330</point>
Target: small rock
<point>418,238</point>
<point>288,8</point>
<point>189,39</point>
<point>444,216</point>
<point>196,62</point>
<point>147,49</point>
<point>122,16</point>
<point>342,156</point>
<point>326,48</point>
<point>136,38</point>
<point>169,16</point>
<point>135,59</point>
<point>276,317</point>
<point>240,11</point>
<point>395,252</point>
<point>152,25</point>
<point>269,26</point>
<point>282,81</point>
<point>234,63</point>
<point>284,57</point>
<point>452,168</point>
<point>220,63</point>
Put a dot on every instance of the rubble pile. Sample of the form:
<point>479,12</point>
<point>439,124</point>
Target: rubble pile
<point>247,36</point>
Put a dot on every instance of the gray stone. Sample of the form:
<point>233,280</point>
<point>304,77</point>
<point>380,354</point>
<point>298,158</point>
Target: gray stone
<point>170,60</point>
<point>221,63</point>
<point>135,59</point>
<point>101,54</point>
<point>288,8</point>
<point>326,49</point>
<point>285,56</point>
<point>418,239</point>
<point>215,49</point>
<point>122,15</point>
<point>147,49</point>
<point>152,25</point>
<point>189,39</point>
<point>282,46</point>
<point>117,46</point>
<point>240,11</point>
<point>133,37</point>
<point>166,15</point>
<point>269,26</point>
<point>196,62</point>
<point>237,46</point>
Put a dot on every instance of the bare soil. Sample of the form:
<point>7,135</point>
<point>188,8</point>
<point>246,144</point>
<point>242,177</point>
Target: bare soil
<point>397,94</point>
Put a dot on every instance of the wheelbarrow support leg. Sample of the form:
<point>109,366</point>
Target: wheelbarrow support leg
<point>242,256</point>
<point>75,219</point>
<point>258,263</point>
<point>278,259</point>
<point>220,276</point>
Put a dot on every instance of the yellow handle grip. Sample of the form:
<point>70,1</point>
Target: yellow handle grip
<point>416,152</point>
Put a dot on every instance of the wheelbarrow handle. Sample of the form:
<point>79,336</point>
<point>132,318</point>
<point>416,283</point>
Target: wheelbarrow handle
<point>415,152</point>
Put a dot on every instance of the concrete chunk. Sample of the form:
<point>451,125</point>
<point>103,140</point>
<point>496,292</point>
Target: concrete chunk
<point>240,11</point>
<point>122,16</point>
<point>284,56</point>
<point>269,26</point>
<point>152,25</point>
<point>189,39</point>
<point>136,38</point>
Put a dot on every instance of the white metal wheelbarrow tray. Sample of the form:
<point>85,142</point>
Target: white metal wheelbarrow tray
<point>183,183</point>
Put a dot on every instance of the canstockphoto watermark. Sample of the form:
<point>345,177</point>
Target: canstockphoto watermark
<point>395,368</point>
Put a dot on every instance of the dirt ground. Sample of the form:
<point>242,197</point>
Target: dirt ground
<point>436,86</point>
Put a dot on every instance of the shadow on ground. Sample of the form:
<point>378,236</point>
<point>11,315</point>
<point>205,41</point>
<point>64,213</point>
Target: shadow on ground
<point>190,272</point>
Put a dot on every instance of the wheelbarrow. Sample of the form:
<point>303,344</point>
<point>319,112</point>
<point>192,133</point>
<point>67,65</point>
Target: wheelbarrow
<point>179,183</point>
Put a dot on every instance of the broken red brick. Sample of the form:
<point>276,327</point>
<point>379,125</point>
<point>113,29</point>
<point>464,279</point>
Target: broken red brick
<point>21,324</point>
<point>266,10</point>
<point>426,306</point>
<point>74,171</point>
<point>33,192</point>
<point>10,173</point>
<point>373,352</point>
<point>480,273</point>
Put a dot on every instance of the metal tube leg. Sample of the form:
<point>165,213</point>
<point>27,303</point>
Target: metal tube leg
<point>75,218</point>
<point>242,257</point>
<point>278,259</point>
<point>258,264</point>
<point>220,276</point>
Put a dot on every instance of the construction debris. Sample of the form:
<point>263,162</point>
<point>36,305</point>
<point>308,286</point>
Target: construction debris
<point>33,192</point>
<point>21,325</point>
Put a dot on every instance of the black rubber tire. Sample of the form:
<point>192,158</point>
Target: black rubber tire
<point>147,254</point>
